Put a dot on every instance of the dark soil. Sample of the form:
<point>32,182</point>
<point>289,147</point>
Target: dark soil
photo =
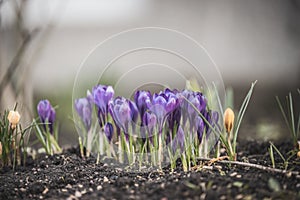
<point>68,176</point>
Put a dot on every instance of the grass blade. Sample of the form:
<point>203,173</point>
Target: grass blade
<point>292,116</point>
<point>272,155</point>
<point>241,114</point>
<point>281,156</point>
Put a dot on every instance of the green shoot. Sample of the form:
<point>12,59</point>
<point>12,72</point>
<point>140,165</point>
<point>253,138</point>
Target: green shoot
<point>272,155</point>
<point>289,117</point>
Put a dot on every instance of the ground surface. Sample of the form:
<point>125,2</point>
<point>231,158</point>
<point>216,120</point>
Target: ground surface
<point>67,176</point>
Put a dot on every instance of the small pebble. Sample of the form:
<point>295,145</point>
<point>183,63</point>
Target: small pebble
<point>105,179</point>
<point>233,174</point>
<point>83,191</point>
<point>45,191</point>
<point>99,187</point>
<point>78,194</point>
<point>239,176</point>
<point>80,186</point>
<point>64,190</point>
<point>239,196</point>
<point>72,197</point>
<point>223,197</point>
<point>69,186</point>
<point>22,189</point>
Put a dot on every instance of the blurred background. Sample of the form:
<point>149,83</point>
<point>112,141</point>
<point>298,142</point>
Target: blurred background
<point>43,43</point>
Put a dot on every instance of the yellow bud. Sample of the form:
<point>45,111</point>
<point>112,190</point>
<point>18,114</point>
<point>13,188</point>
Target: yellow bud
<point>228,119</point>
<point>14,118</point>
<point>0,148</point>
<point>298,154</point>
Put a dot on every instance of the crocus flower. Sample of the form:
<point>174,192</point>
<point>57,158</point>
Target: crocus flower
<point>13,118</point>
<point>199,126</point>
<point>102,95</point>
<point>149,121</point>
<point>83,107</point>
<point>108,130</point>
<point>134,111</point>
<point>213,118</point>
<point>162,105</point>
<point>121,113</point>
<point>198,100</point>
<point>47,114</point>
<point>143,101</point>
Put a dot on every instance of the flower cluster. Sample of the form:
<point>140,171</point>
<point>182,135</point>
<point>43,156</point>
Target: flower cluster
<point>149,122</point>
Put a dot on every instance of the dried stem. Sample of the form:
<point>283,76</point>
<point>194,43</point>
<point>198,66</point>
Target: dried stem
<point>252,165</point>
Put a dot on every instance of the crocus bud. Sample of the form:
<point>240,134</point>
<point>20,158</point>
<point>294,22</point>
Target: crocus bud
<point>108,130</point>
<point>228,119</point>
<point>13,118</point>
<point>83,107</point>
<point>149,120</point>
<point>142,100</point>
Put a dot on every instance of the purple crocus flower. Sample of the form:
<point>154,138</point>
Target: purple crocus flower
<point>213,119</point>
<point>149,121</point>
<point>198,100</point>
<point>83,107</point>
<point>108,130</point>
<point>199,127</point>
<point>102,95</point>
<point>134,111</point>
<point>162,105</point>
<point>142,100</point>
<point>184,104</point>
<point>47,114</point>
<point>121,113</point>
